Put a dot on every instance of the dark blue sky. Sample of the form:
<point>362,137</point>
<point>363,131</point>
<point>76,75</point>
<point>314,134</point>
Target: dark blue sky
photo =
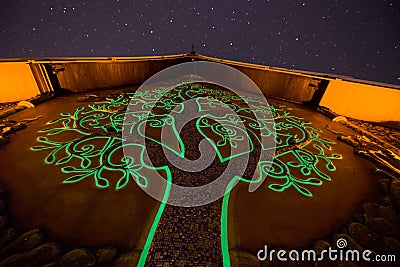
<point>355,38</point>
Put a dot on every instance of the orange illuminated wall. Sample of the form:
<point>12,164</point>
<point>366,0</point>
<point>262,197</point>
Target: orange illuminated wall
<point>16,82</point>
<point>362,101</point>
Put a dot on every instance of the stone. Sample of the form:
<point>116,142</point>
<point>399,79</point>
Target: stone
<point>78,257</point>
<point>348,139</point>
<point>374,210</point>
<point>395,194</point>
<point>344,230</point>
<point>327,112</point>
<point>38,256</point>
<point>389,246</point>
<point>243,258</point>
<point>3,223</point>
<point>25,242</point>
<point>384,185</point>
<point>308,264</point>
<point>105,255</point>
<point>382,227</point>
<point>371,209</point>
<point>7,236</point>
<point>4,140</point>
<point>376,169</point>
<point>364,236</point>
<point>128,259</point>
<point>345,264</point>
<point>319,246</point>
<point>390,215</point>
<point>3,194</point>
<point>387,202</point>
<point>276,262</point>
<point>2,207</point>
<point>358,217</point>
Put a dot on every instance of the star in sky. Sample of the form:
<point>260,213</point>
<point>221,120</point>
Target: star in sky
<point>354,38</point>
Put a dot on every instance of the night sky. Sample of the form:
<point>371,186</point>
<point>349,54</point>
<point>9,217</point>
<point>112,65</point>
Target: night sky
<point>354,38</point>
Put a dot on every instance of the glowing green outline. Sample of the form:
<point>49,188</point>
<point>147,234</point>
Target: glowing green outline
<point>163,120</point>
<point>94,125</point>
<point>225,137</point>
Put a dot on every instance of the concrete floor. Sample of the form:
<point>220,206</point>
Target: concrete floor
<point>76,214</point>
<point>289,219</point>
<point>79,214</point>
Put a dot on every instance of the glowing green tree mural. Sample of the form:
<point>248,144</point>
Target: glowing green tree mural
<point>87,143</point>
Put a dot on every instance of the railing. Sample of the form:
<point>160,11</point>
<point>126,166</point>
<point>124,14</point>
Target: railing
<point>22,79</point>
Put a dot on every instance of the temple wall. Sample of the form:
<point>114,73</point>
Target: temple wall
<point>362,101</point>
<point>370,102</point>
<point>276,82</point>
<point>282,85</point>
<point>17,82</point>
<point>84,76</point>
